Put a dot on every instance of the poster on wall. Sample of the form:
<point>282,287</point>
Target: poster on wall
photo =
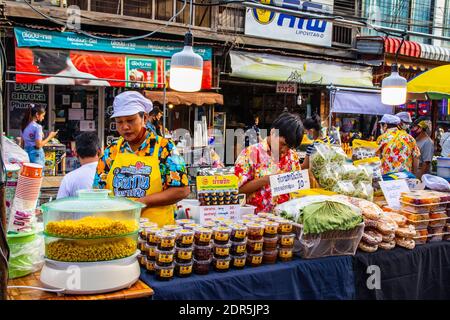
<point>142,69</point>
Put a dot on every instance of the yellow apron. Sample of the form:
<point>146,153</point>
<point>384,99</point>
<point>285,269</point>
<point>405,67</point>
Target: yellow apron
<point>134,177</point>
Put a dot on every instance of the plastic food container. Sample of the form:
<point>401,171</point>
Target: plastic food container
<point>219,220</point>
<point>141,245</point>
<point>238,248</point>
<point>183,270</point>
<point>150,266</point>
<point>165,258</point>
<point>254,259</point>
<point>202,236</point>
<point>238,232</point>
<point>270,257</point>
<point>421,236</point>
<point>221,250</point>
<point>255,231</point>
<point>164,273</point>
<point>166,240</point>
<point>270,229</point>
<point>182,222</point>
<point>142,259</point>
<point>438,219</point>
<point>173,228</point>
<point>285,226</point>
<point>255,246</point>
<point>238,262</point>
<point>419,197</point>
<point>226,223</point>
<point>191,226</point>
<point>270,244</point>
<point>209,224</point>
<point>221,264</point>
<point>263,215</point>
<point>221,235</point>
<point>419,221</point>
<point>287,240</point>
<point>285,254</point>
<point>202,253</point>
<point>244,221</point>
<point>248,216</point>
<point>150,235</point>
<point>259,220</point>
<point>184,238</point>
<point>183,255</point>
<point>201,266</point>
<point>151,252</point>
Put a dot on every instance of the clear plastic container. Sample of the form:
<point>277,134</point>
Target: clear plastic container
<point>419,197</point>
<point>221,264</point>
<point>285,226</point>
<point>142,260</point>
<point>90,250</point>
<point>255,246</point>
<point>248,216</point>
<point>182,222</point>
<point>424,208</point>
<point>166,240</point>
<point>270,229</point>
<point>191,226</point>
<point>141,245</point>
<point>436,233</point>
<point>226,223</point>
<point>184,238</point>
<point>287,240</point>
<point>255,231</point>
<point>150,235</point>
<point>183,255</point>
<point>202,253</point>
<point>164,273</point>
<point>263,215</point>
<point>419,221</point>
<point>421,236</point>
<point>173,228</point>
<point>260,220</point>
<point>285,254</point>
<point>238,248</point>
<point>183,270</point>
<point>150,265</point>
<point>150,252</point>
<point>209,224</point>
<point>254,259</point>
<point>238,262</point>
<point>270,257</point>
<point>165,258</point>
<point>201,267</point>
<point>270,244</point>
<point>221,250</point>
<point>244,221</point>
<point>438,219</point>
<point>238,232</point>
<point>90,215</point>
<point>221,235</point>
<point>202,236</point>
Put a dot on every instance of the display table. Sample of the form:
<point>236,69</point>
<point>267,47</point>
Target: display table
<point>138,291</point>
<point>422,273</point>
<point>324,278</point>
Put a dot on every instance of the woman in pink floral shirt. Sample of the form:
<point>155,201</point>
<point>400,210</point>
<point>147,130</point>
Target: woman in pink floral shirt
<point>273,155</point>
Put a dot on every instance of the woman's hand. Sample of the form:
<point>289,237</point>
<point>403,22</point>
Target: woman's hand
<point>52,135</point>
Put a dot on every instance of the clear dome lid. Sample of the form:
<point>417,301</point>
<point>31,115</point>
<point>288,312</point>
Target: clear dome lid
<point>92,200</point>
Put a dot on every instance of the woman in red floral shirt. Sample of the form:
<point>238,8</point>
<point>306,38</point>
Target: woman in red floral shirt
<point>273,155</point>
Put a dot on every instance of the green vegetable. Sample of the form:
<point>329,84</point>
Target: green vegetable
<point>327,216</point>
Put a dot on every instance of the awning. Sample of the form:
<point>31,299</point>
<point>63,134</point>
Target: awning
<point>187,98</point>
<point>409,48</point>
<point>359,103</point>
<point>269,67</point>
<point>434,53</point>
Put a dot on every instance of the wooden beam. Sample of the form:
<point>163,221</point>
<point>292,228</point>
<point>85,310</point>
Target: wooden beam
<point>20,10</point>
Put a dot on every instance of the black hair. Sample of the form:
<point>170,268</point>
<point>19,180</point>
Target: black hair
<point>313,123</point>
<point>141,114</point>
<point>87,144</point>
<point>29,115</point>
<point>156,110</point>
<point>50,61</point>
<point>290,127</point>
<point>392,125</point>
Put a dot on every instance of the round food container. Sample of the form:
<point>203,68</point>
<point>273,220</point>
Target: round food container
<point>144,220</point>
<point>270,257</point>
<point>202,253</point>
<point>201,266</point>
<point>238,232</point>
<point>263,215</point>
<point>221,264</point>
<point>183,270</point>
<point>184,238</point>
<point>150,252</point>
<point>287,240</point>
<point>164,258</point>
<point>202,236</point>
<point>270,244</point>
<point>166,240</point>
<point>221,250</point>
<point>285,226</point>
<point>244,221</point>
<point>238,248</point>
<point>182,222</point>
<point>150,235</point>
<point>285,254</point>
<point>259,220</point>
<point>209,224</point>
<point>255,246</point>
<point>255,231</point>
<point>183,255</point>
<point>142,259</point>
<point>150,266</point>
<point>191,226</point>
<point>249,216</point>
<point>141,245</point>
<point>164,273</point>
<point>221,235</point>
<point>254,259</point>
<point>172,228</point>
<point>238,262</point>
<point>270,229</point>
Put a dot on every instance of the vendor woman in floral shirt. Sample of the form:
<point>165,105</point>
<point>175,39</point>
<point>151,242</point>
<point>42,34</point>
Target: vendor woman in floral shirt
<point>141,165</point>
<point>257,162</point>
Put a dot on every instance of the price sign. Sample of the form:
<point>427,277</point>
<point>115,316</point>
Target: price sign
<point>289,182</point>
<point>287,87</point>
<point>392,190</point>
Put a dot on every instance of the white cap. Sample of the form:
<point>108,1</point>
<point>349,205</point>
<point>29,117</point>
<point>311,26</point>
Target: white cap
<point>390,119</point>
<point>404,117</point>
<point>129,103</point>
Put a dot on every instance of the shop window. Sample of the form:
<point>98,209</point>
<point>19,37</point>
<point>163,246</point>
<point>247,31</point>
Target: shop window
<point>138,8</point>
<point>201,15</point>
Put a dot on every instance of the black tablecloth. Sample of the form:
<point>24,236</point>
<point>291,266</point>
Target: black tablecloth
<point>324,278</point>
<point>422,273</point>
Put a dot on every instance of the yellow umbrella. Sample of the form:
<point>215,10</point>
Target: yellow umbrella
<point>435,83</point>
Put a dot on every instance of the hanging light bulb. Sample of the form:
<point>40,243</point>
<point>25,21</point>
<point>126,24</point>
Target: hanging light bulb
<point>393,88</point>
<point>186,68</point>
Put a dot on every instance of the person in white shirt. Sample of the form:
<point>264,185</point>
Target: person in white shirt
<point>88,152</point>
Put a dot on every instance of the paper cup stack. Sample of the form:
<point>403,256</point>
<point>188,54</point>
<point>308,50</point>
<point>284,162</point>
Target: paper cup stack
<point>12,175</point>
<point>22,213</point>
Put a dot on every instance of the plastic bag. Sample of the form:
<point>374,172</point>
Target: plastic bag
<point>347,172</point>
<point>364,190</point>
<point>320,158</point>
<point>328,178</point>
<point>338,156</point>
<point>345,187</point>
<point>375,166</point>
<point>12,152</point>
<point>363,149</point>
<point>435,183</point>
<point>291,209</point>
<point>26,258</point>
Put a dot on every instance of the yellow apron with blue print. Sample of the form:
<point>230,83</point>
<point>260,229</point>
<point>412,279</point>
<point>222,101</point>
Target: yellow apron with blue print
<point>134,177</point>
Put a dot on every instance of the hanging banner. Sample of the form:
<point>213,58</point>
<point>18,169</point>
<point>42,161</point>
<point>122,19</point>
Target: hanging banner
<point>94,66</point>
<point>271,67</point>
<point>26,37</point>
<point>280,26</point>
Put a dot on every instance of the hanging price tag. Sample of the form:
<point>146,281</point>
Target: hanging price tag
<point>289,182</point>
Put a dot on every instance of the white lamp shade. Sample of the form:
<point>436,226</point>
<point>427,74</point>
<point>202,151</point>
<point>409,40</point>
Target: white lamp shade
<point>393,89</point>
<point>186,71</point>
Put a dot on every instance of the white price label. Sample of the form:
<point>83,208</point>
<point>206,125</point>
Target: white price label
<point>392,191</point>
<point>289,182</point>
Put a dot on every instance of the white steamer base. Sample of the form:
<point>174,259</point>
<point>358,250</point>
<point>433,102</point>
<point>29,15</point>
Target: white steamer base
<point>91,277</point>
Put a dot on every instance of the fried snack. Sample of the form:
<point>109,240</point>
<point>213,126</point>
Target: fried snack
<point>406,232</point>
<point>369,223</point>
<point>371,237</point>
<point>405,243</point>
<point>388,237</point>
<point>367,247</point>
<point>387,245</point>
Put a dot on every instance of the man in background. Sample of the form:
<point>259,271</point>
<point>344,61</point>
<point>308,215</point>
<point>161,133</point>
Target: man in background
<point>406,120</point>
<point>88,152</point>
<point>425,144</point>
